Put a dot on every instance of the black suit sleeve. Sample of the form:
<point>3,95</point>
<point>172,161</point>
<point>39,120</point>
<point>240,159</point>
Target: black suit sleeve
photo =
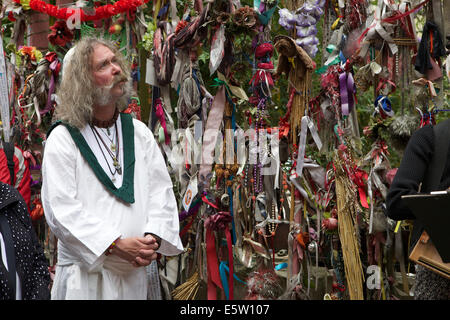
<point>411,173</point>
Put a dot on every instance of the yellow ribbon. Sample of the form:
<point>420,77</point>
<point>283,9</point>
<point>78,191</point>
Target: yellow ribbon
<point>291,60</point>
<point>335,23</point>
<point>397,226</point>
<point>157,7</point>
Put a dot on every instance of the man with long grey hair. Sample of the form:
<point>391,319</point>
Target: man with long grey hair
<point>106,192</point>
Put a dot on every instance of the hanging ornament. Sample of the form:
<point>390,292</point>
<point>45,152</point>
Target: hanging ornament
<point>330,224</point>
<point>115,29</point>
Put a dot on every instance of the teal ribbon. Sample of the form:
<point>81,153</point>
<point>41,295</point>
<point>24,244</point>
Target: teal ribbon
<point>330,48</point>
<point>256,4</point>
<point>218,83</point>
<point>337,134</point>
<point>281,266</point>
<point>223,270</point>
<point>265,17</point>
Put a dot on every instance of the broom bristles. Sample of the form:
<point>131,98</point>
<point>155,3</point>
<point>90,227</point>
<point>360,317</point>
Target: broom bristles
<point>348,233</point>
<point>188,290</point>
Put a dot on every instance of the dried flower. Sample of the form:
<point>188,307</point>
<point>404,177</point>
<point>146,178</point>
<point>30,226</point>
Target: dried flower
<point>250,20</point>
<point>223,17</point>
<point>245,17</point>
<point>31,52</point>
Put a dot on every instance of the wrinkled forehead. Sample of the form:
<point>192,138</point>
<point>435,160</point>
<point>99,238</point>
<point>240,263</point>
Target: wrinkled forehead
<point>101,54</point>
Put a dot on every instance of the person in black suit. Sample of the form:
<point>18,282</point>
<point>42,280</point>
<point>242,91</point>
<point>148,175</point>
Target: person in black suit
<point>24,271</point>
<point>412,172</point>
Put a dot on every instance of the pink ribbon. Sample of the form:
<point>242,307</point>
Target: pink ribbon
<point>160,114</point>
<point>210,136</point>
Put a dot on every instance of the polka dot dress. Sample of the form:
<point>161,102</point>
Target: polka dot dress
<point>430,285</point>
<point>31,264</point>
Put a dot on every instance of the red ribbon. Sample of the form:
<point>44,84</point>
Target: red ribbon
<point>205,200</point>
<point>217,222</point>
<point>284,121</point>
<point>188,226</point>
<point>359,177</point>
<point>212,266</point>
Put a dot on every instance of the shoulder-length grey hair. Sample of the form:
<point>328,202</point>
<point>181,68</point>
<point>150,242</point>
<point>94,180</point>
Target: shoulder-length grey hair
<point>76,91</point>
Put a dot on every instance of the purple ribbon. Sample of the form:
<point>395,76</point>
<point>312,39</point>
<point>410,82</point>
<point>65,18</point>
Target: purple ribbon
<point>51,87</point>
<point>347,89</point>
<point>184,214</point>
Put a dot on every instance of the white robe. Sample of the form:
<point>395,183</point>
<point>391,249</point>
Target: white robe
<point>86,217</point>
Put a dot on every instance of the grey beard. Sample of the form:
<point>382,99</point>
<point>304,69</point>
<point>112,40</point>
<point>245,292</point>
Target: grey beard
<point>102,95</point>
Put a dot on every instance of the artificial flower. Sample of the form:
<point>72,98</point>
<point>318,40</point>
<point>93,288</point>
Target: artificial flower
<point>60,34</point>
<point>306,31</point>
<point>25,4</point>
<point>11,16</point>
<point>34,54</point>
<point>286,19</point>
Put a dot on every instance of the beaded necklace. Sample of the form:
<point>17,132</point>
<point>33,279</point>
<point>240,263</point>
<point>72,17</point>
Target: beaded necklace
<point>106,124</point>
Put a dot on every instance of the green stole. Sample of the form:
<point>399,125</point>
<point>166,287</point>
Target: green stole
<point>126,191</point>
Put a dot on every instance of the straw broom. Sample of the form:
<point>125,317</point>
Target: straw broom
<point>347,226</point>
<point>188,290</point>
